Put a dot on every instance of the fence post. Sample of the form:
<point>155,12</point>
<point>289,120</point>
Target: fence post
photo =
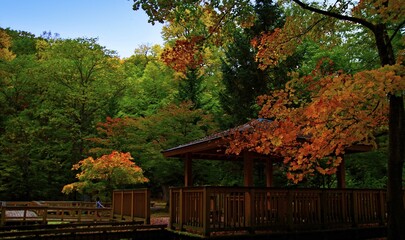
<point>45,215</point>
<point>3,214</point>
<point>290,204</point>
<point>112,206</point>
<point>79,213</point>
<point>25,214</point>
<point>147,206</point>
<point>122,206</point>
<point>171,210</point>
<point>355,213</point>
<point>323,206</point>
<point>181,209</point>
<point>382,207</point>
<point>247,207</point>
<point>252,208</point>
<point>132,209</point>
<point>206,212</point>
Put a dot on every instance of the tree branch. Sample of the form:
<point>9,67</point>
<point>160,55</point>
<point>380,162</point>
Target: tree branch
<point>397,30</point>
<point>360,21</point>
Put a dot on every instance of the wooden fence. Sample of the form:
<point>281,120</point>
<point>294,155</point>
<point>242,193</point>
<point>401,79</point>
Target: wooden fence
<point>127,205</point>
<point>15,214</point>
<point>206,210</point>
<point>131,205</point>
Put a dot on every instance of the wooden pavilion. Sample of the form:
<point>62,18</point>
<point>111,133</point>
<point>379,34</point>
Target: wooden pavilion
<point>208,210</point>
<point>213,147</point>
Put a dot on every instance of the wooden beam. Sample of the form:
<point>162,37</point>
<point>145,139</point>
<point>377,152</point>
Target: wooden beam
<point>188,171</point>
<point>248,169</point>
<point>341,174</point>
<point>196,147</point>
<point>359,148</point>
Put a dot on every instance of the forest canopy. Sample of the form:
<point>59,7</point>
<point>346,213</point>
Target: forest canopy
<point>66,100</point>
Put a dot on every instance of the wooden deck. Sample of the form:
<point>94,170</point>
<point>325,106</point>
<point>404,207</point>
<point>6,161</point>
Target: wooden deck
<point>220,211</point>
<point>91,230</point>
<point>211,210</point>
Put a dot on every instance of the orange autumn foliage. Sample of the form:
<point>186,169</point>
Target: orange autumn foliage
<point>316,117</point>
<point>273,47</point>
<point>105,173</point>
<point>185,54</point>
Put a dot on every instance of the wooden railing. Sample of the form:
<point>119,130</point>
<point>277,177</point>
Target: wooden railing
<point>128,205</point>
<point>206,210</point>
<point>131,205</point>
<point>30,213</point>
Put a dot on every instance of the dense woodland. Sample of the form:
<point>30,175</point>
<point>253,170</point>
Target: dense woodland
<point>64,100</point>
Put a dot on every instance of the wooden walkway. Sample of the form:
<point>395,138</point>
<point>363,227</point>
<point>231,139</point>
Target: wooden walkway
<point>106,230</point>
<point>127,206</point>
<point>22,215</point>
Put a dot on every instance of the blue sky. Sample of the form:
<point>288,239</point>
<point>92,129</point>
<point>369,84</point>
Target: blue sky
<point>113,22</point>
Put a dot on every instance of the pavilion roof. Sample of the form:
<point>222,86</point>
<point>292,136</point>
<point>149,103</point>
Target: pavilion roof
<point>213,147</point>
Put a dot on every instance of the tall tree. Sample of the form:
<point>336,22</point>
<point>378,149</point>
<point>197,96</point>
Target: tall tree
<point>195,70</point>
<point>243,80</point>
<point>29,166</point>
<point>191,87</point>
<point>152,88</point>
<point>83,78</point>
<point>53,99</point>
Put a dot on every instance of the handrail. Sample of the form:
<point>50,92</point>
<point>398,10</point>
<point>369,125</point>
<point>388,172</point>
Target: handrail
<point>208,209</point>
<point>45,214</point>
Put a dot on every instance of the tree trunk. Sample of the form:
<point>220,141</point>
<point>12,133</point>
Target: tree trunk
<point>395,194</point>
<point>166,194</point>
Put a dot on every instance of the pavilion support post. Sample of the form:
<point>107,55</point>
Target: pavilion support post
<point>248,182</point>
<point>269,173</point>
<point>188,171</point>
<point>248,169</point>
<point>341,174</point>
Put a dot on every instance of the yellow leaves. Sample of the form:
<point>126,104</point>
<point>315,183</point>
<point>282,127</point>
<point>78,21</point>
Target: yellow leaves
<point>42,47</point>
<point>276,141</point>
<point>5,45</point>
<point>380,11</point>
<point>69,188</point>
<point>383,81</point>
